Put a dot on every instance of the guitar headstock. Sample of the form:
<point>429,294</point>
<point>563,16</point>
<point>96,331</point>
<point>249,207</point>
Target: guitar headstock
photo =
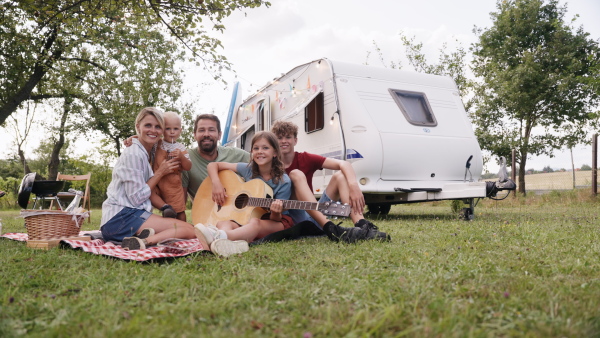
<point>334,209</point>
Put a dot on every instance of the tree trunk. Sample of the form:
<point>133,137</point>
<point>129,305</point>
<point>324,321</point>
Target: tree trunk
<point>522,170</point>
<point>55,156</point>
<point>118,146</point>
<point>26,169</point>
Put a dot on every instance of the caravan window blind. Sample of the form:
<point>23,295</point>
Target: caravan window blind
<point>314,114</point>
<point>415,107</point>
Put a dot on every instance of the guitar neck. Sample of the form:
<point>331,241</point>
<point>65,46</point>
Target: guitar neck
<point>287,204</point>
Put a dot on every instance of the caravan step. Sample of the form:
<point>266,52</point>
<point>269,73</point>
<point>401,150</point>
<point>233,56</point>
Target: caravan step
<point>418,190</point>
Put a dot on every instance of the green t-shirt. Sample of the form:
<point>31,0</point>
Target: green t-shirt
<point>193,178</point>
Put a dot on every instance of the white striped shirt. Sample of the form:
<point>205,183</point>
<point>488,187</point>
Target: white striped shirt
<point>128,187</point>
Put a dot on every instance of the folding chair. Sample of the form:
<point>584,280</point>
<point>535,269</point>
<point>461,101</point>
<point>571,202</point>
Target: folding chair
<point>69,196</point>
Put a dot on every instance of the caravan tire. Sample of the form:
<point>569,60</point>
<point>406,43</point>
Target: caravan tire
<point>381,209</point>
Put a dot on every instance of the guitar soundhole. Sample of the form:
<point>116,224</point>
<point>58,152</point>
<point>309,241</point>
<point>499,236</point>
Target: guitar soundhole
<point>241,201</point>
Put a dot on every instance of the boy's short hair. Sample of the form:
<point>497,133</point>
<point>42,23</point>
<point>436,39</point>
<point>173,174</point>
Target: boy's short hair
<point>283,128</point>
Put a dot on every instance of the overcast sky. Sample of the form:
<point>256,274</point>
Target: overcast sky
<point>263,43</point>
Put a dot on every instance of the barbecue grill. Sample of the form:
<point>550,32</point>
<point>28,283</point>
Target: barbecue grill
<point>41,189</point>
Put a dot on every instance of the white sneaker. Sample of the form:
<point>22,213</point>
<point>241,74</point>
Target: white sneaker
<point>207,235</point>
<point>225,247</point>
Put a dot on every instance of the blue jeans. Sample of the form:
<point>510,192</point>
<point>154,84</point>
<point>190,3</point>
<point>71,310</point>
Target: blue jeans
<point>124,224</point>
<point>301,215</point>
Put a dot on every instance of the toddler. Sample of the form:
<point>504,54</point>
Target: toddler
<point>169,195</point>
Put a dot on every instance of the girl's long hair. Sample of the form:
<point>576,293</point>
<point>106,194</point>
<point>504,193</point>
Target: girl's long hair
<point>277,169</point>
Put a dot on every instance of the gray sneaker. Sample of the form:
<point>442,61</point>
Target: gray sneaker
<point>168,211</point>
<point>133,243</point>
<point>371,231</point>
<point>225,247</point>
<point>145,233</point>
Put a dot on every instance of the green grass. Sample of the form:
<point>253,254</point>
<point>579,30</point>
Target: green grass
<point>524,267</point>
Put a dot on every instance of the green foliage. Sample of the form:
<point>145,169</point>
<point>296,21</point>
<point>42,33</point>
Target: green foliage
<point>450,63</point>
<point>525,268</point>
<point>537,86</point>
<point>11,167</point>
<point>586,167</point>
<point>122,52</point>
<point>10,186</point>
<point>456,206</point>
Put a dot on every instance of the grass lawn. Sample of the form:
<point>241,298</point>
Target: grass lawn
<point>523,267</point>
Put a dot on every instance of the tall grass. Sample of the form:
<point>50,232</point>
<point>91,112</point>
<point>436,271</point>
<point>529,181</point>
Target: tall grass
<point>524,267</point>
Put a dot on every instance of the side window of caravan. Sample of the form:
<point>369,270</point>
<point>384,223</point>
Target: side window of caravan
<point>246,139</point>
<point>314,114</point>
<point>260,116</point>
<point>415,107</point>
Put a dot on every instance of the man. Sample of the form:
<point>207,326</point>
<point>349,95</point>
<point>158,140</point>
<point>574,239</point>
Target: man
<point>207,132</point>
<point>342,186</point>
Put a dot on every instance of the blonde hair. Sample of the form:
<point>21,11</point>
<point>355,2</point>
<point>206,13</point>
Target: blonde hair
<point>157,113</point>
<point>173,114</point>
<point>277,169</point>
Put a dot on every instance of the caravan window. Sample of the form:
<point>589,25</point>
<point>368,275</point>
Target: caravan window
<point>314,114</point>
<point>415,107</point>
<point>260,116</point>
<point>246,139</point>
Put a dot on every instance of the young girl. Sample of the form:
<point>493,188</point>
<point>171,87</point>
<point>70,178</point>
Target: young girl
<point>229,237</point>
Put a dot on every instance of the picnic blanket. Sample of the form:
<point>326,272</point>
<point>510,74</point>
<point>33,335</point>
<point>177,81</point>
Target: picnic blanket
<point>178,248</point>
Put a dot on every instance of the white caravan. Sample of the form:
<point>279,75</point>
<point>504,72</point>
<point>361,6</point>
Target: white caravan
<point>407,134</point>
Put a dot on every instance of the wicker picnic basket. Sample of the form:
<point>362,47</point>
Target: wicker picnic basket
<point>52,224</point>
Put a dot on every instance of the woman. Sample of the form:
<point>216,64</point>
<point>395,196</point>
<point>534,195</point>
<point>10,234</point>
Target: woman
<point>127,212</point>
<point>229,237</point>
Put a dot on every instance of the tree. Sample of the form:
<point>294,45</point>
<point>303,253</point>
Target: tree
<point>450,63</point>
<point>21,134</point>
<point>586,167</point>
<point>547,169</point>
<point>44,43</point>
<point>536,90</point>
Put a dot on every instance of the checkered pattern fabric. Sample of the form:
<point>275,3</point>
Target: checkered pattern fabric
<point>174,249</point>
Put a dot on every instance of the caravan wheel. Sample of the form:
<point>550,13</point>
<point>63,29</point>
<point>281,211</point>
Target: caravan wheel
<point>381,209</point>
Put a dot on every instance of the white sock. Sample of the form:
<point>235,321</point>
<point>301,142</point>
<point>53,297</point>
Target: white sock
<point>222,234</point>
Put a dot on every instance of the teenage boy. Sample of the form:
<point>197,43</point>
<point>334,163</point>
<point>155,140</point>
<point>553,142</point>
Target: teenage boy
<point>343,186</point>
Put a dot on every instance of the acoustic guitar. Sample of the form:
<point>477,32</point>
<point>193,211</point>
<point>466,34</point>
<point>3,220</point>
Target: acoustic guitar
<point>246,200</point>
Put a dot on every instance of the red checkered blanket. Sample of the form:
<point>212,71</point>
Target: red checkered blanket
<point>173,249</point>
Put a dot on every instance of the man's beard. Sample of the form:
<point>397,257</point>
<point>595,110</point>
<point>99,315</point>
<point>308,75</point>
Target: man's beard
<point>207,148</point>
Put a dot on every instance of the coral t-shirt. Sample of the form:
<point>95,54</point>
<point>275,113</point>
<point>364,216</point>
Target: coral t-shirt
<point>307,163</point>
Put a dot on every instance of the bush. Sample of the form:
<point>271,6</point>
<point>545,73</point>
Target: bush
<point>10,186</point>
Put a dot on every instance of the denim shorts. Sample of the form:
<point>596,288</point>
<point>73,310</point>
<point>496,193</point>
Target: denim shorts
<point>124,224</point>
<point>301,215</point>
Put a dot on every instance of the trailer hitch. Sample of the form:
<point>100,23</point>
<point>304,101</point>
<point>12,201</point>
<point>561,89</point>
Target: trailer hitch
<point>503,183</point>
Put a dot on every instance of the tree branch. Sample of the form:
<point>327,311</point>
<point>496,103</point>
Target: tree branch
<point>40,69</point>
<point>84,61</point>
